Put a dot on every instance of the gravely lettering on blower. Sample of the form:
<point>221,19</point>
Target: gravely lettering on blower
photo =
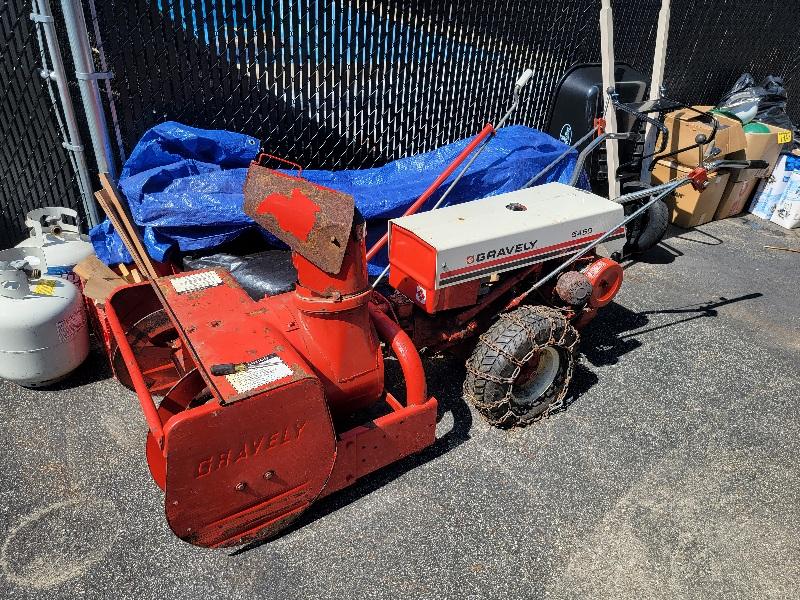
<point>249,449</point>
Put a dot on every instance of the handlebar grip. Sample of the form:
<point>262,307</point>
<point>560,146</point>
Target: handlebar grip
<point>524,78</point>
<point>758,164</point>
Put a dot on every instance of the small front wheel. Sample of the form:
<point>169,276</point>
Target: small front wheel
<point>521,367</point>
<point>648,229</point>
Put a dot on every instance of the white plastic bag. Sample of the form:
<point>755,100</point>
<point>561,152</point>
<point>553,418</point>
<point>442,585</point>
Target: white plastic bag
<point>787,212</point>
<point>770,190</point>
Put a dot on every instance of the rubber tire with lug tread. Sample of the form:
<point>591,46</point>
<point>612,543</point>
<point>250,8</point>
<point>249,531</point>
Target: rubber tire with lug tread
<point>490,367</point>
<point>648,229</point>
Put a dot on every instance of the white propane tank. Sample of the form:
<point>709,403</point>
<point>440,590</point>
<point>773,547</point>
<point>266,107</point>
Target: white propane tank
<point>43,333</point>
<point>63,244</point>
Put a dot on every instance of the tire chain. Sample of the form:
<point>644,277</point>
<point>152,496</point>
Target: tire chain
<point>549,313</point>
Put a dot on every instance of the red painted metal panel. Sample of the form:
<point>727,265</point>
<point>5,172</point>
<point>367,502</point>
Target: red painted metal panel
<point>381,442</point>
<point>243,470</point>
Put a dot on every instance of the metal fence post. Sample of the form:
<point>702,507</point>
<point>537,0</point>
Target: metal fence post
<point>87,80</point>
<point>43,18</point>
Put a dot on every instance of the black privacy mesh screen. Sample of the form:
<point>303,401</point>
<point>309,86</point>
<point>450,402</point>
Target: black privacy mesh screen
<point>355,84</point>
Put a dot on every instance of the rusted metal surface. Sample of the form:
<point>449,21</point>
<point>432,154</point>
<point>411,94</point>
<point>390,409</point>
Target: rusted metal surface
<point>158,350</point>
<point>498,290</point>
<point>218,324</point>
<point>188,392</point>
<point>312,220</point>
<point>241,454</point>
<point>574,288</point>
<point>217,493</point>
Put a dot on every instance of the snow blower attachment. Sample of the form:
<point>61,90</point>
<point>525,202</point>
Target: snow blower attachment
<point>260,397</point>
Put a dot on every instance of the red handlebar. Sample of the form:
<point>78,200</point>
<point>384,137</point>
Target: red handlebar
<point>484,133</point>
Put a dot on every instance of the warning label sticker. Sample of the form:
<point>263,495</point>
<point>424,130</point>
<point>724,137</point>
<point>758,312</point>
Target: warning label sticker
<point>195,282</point>
<point>258,373</point>
<point>45,287</point>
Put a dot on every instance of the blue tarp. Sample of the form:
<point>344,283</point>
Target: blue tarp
<point>184,184</point>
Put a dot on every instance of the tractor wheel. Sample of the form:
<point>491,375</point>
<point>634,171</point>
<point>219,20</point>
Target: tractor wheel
<point>521,368</point>
<point>648,229</point>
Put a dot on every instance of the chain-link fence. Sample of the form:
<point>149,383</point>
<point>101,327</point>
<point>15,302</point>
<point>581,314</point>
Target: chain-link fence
<point>350,84</point>
<point>35,168</point>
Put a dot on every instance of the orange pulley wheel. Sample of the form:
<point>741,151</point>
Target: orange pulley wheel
<point>605,276</point>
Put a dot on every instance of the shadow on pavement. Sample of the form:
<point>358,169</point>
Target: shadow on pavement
<point>94,368</point>
<point>611,335</point>
<point>662,254</point>
<point>710,240</point>
<point>444,377</point>
<point>616,329</point>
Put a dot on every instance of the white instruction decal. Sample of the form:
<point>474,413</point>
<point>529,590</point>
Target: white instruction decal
<point>195,281</point>
<point>259,372</point>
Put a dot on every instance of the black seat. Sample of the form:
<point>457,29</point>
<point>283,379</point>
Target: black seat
<point>262,274</point>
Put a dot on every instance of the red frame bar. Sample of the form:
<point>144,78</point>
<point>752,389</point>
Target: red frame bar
<point>406,353</point>
<point>145,399</point>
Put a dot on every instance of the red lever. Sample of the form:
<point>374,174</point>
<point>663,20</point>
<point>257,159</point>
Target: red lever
<point>484,133</point>
<point>260,159</point>
<point>600,125</point>
<point>698,178</point>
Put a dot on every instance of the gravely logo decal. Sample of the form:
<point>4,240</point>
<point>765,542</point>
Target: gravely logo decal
<point>502,251</point>
<point>248,449</point>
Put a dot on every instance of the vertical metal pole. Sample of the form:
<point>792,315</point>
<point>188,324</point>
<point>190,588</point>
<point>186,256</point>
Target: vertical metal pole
<point>87,80</point>
<point>656,82</point>
<point>98,40</point>
<point>43,17</point>
<point>607,56</point>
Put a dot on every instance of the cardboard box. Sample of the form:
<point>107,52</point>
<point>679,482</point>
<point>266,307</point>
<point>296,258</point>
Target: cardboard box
<point>685,125</point>
<point>734,198</point>
<point>688,206</point>
<point>761,146</point>
<point>98,280</point>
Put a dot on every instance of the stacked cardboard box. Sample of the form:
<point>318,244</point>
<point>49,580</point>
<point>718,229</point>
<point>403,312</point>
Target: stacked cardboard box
<point>726,194</point>
<point>759,146</point>
<point>691,207</point>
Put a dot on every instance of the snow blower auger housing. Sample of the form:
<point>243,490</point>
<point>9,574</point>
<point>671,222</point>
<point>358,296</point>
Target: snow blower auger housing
<point>256,422</point>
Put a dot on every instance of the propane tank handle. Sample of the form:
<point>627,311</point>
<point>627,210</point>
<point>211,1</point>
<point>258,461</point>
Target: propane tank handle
<point>13,282</point>
<point>13,274</point>
<point>55,221</point>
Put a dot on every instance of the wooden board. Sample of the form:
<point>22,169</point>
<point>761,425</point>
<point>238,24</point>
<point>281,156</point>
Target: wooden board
<point>656,80</point>
<point>112,202</point>
<point>607,55</point>
<point>113,216</point>
<point>98,280</point>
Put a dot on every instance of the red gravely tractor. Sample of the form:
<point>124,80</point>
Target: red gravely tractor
<point>270,404</point>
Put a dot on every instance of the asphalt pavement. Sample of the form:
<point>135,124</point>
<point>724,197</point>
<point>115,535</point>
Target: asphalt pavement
<point>673,473</point>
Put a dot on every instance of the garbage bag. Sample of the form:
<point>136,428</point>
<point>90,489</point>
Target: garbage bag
<point>772,105</point>
<point>184,185</point>
<point>262,274</point>
<point>768,101</point>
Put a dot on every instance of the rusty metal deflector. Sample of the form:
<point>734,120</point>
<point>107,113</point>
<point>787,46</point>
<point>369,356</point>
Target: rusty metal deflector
<point>313,220</point>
